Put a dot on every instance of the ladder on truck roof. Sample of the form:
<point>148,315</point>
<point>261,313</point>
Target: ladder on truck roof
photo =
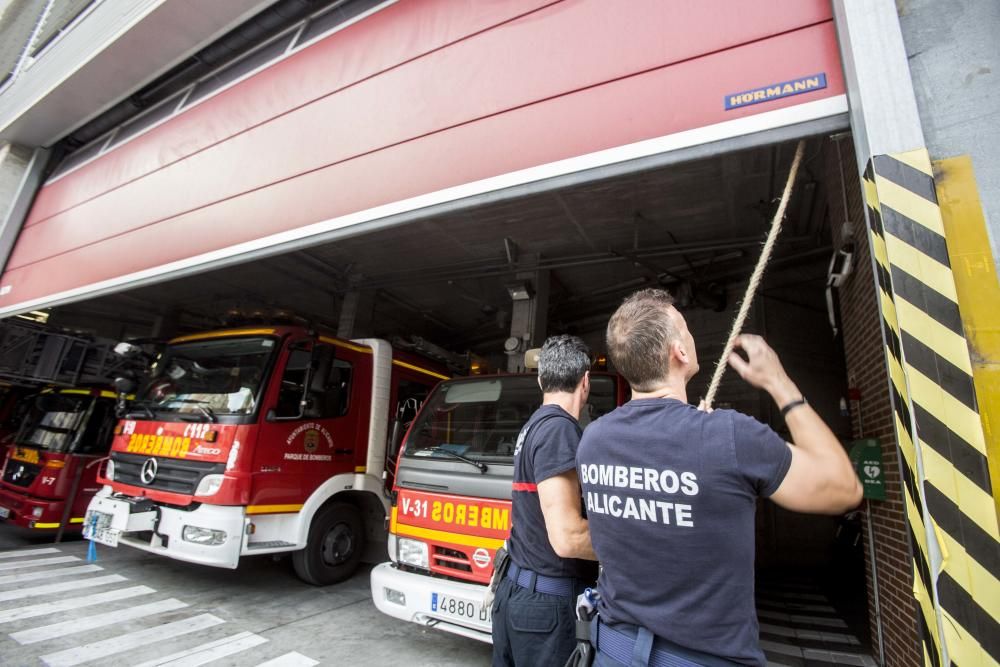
<point>34,355</point>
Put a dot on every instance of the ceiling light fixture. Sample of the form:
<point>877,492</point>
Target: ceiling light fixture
<point>519,291</point>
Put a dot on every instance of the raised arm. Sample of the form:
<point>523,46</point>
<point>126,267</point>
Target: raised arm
<point>568,531</point>
<point>820,479</point>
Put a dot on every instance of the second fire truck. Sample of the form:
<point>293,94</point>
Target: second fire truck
<point>50,470</point>
<point>452,497</point>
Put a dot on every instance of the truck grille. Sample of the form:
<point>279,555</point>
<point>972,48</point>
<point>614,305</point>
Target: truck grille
<point>451,558</point>
<point>21,473</point>
<point>173,475</point>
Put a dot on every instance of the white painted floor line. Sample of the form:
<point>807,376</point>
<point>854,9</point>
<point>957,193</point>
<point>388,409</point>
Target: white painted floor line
<point>784,649</point>
<point>200,655</point>
<point>817,620</point>
<point>833,657</point>
<point>17,565</point>
<point>795,607</point>
<point>67,604</point>
<point>785,631</point>
<point>48,574</point>
<point>59,588</point>
<point>776,615</point>
<point>27,552</point>
<point>76,625</point>
<point>777,630</point>
<point>802,619</point>
<point>292,659</point>
<point>817,608</point>
<point>122,643</point>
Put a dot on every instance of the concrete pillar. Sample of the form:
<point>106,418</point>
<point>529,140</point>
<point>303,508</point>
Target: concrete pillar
<point>356,314</point>
<point>955,65</point>
<point>938,429</point>
<point>20,177</point>
<point>164,326</point>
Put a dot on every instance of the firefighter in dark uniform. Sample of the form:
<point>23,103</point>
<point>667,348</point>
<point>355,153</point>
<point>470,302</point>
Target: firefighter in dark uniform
<point>670,492</point>
<point>533,612</point>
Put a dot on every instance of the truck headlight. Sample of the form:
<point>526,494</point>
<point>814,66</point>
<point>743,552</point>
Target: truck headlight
<point>413,552</point>
<point>109,470</point>
<point>208,485</point>
<point>199,535</point>
<point>37,511</point>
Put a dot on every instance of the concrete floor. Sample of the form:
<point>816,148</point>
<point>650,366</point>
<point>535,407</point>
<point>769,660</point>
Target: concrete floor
<point>260,612</point>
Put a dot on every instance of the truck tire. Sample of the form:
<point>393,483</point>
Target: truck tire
<point>334,547</point>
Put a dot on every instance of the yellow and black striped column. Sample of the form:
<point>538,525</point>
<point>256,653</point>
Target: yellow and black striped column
<point>947,492</point>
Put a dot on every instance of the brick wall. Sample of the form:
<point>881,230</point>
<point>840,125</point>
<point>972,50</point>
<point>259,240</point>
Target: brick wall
<point>866,371</point>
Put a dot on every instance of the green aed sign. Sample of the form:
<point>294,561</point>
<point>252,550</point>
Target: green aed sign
<point>866,456</point>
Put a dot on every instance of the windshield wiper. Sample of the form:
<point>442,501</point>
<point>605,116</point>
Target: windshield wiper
<point>200,405</point>
<point>208,412</point>
<point>479,464</point>
<point>137,405</point>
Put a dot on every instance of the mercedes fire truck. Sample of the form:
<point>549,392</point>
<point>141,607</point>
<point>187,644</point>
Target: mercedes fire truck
<point>259,441</point>
<point>451,506</point>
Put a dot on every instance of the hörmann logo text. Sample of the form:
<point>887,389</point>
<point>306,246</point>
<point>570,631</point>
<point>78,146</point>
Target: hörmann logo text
<point>776,91</point>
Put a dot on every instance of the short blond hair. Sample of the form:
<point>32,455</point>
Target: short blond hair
<point>639,336</point>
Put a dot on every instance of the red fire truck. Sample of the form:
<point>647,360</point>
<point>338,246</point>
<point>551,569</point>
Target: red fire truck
<point>259,441</point>
<point>50,462</point>
<point>451,507</point>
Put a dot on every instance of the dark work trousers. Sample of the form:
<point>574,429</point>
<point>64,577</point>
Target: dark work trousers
<point>532,629</point>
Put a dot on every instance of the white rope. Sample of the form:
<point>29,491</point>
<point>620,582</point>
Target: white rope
<point>755,277</point>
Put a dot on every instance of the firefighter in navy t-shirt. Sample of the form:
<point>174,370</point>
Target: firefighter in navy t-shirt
<point>534,620</point>
<point>670,492</point>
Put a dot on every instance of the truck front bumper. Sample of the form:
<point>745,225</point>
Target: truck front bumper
<point>34,513</point>
<point>113,520</point>
<point>417,598</point>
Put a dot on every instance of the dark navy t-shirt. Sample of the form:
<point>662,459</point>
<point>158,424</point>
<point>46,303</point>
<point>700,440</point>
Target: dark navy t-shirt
<point>670,493</point>
<point>546,447</point>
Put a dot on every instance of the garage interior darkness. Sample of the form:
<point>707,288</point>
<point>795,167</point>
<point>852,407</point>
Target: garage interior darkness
<point>695,228</point>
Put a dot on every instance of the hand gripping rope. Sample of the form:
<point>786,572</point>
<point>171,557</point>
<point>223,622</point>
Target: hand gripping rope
<point>755,277</point>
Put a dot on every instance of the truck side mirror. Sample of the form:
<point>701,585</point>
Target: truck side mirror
<point>406,411</point>
<point>123,387</point>
<point>397,437</point>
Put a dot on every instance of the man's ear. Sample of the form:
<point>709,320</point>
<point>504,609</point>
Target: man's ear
<point>678,353</point>
<point>538,378</point>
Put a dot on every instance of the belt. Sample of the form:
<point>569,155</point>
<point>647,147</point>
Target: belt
<point>646,648</point>
<point>539,583</point>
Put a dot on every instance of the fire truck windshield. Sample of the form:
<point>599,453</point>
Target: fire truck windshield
<point>205,378</point>
<point>54,420</point>
<point>480,418</point>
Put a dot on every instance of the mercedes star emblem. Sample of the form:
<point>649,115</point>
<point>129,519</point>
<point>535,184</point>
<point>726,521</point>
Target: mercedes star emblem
<point>148,472</point>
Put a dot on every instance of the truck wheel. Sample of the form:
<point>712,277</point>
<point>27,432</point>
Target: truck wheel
<point>333,550</point>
